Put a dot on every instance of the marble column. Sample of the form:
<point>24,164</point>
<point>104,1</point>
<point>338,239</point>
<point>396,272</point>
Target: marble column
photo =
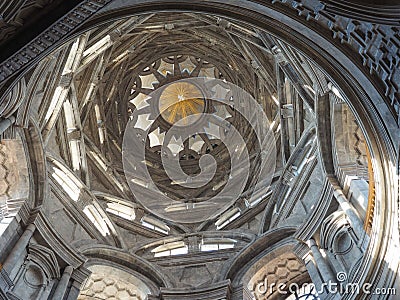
<point>322,264</point>
<point>347,207</point>
<point>63,283</point>
<point>18,249</point>
<point>6,123</point>
<point>74,291</point>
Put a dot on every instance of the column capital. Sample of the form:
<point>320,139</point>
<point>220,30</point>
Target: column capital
<point>31,227</point>
<point>311,242</point>
<point>68,270</point>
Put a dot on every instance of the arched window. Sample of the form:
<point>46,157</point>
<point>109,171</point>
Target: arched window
<point>174,248</point>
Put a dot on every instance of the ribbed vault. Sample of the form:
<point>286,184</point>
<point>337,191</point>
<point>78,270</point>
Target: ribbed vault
<point>204,149</point>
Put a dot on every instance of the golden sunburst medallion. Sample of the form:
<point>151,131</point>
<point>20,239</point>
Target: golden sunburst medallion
<point>180,100</point>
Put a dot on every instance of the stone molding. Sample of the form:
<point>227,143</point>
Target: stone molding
<point>373,47</point>
<point>45,258</point>
<point>221,290</point>
<point>70,256</point>
<point>316,218</point>
<point>46,40</point>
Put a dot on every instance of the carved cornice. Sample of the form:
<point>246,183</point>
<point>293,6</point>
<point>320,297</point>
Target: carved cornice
<point>50,37</point>
<point>45,258</point>
<point>221,290</point>
<point>80,275</point>
<point>384,14</point>
<point>332,226</point>
<point>56,243</point>
<point>373,47</point>
<point>5,282</point>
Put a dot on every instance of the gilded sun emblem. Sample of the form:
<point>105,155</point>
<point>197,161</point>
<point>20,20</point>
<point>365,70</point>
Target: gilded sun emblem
<point>180,100</point>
